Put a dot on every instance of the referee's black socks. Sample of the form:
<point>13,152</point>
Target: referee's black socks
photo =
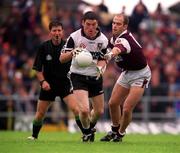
<point>36,128</point>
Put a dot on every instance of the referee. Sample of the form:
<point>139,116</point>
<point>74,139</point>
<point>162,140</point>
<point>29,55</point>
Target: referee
<point>52,76</point>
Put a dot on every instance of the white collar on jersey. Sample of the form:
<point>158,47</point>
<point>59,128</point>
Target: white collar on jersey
<point>122,33</point>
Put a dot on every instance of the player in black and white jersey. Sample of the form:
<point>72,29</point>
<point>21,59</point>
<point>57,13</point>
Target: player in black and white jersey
<point>87,81</point>
<point>133,80</point>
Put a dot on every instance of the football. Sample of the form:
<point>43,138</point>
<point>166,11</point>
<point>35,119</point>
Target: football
<point>84,58</point>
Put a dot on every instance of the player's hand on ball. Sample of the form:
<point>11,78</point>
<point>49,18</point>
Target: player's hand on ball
<point>84,58</point>
<point>76,51</point>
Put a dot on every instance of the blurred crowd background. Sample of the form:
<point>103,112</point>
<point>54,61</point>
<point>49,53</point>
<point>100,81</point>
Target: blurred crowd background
<point>24,25</point>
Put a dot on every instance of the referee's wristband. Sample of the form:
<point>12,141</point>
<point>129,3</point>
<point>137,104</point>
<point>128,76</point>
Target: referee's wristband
<point>41,82</point>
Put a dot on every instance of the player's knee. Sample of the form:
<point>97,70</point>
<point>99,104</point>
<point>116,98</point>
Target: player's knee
<point>126,111</point>
<point>112,103</point>
<point>85,113</point>
<point>75,111</point>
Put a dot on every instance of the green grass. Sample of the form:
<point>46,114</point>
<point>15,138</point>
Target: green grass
<point>61,142</point>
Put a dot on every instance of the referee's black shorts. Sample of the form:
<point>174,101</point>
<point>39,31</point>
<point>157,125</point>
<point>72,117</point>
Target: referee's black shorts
<point>61,88</point>
<point>89,83</point>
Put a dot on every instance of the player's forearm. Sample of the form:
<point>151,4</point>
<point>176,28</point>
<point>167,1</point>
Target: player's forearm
<point>65,57</point>
<point>114,52</point>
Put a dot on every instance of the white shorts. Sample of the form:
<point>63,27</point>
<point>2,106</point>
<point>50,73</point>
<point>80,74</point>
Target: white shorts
<point>140,78</point>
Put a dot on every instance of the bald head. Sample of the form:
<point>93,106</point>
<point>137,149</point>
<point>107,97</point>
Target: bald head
<point>124,17</point>
<point>120,24</point>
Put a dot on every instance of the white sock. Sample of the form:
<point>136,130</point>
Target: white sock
<point>122,133</point>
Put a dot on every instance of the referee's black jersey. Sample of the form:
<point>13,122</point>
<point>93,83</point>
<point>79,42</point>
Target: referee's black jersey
<point>47,61</point>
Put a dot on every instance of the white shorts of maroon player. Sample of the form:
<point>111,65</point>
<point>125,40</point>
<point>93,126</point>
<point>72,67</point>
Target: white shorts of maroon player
<point>140,78</point>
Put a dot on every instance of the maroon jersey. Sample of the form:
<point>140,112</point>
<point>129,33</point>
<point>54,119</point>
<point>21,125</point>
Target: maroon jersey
<point>131,57</point>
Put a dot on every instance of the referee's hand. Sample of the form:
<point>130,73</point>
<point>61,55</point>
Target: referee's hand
<point>45,86</point>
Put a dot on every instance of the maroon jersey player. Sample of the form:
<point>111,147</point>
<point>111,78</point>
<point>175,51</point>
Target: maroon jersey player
<point>131,83</point>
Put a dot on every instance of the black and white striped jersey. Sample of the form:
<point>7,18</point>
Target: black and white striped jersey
<point>97,47</point>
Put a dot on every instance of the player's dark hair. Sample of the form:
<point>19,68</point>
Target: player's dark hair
<point>55,23</point>
<point>90,16</point>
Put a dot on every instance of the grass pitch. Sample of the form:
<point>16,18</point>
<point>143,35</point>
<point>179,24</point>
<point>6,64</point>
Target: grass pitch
<point>62,142</point>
